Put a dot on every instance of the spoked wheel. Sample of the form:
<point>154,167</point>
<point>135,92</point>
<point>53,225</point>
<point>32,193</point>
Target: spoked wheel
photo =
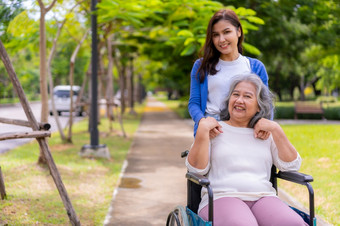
<point>178,217</point>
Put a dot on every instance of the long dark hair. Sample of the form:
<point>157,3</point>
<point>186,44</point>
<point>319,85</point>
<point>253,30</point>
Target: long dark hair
<point>210,53</point>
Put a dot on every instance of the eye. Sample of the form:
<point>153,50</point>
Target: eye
<point>215,35</point>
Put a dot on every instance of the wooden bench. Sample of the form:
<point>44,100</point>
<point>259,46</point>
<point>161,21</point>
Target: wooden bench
<point>304,107</point>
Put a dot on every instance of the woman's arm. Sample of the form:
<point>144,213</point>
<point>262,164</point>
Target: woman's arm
<point>199,153</point>
<point>286,150</point>
<point>194,105</point>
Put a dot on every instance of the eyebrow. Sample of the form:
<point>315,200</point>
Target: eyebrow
<point>251,93</point>
<point>222,30</point>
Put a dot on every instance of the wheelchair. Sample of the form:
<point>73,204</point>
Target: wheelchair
<point>188,216</point>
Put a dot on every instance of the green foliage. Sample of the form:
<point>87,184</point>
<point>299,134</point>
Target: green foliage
<point>8,11</point>
<point>326,99</point>
<point>299,43</point>
<point>169,33</point>
<point>285,110</point>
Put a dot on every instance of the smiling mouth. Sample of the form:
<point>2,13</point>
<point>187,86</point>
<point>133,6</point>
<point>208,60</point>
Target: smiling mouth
<point>238,108</point>
<point>224,45</point>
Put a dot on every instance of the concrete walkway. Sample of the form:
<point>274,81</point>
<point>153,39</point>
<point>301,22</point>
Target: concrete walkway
<point>153,179</point>
<point>153,182</point>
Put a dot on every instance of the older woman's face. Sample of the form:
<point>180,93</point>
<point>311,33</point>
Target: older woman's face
<point>243,104</point>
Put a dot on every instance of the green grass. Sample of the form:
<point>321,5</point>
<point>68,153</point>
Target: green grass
<point>32,197</point>
<point>178,106</point>
<point>319,147</point>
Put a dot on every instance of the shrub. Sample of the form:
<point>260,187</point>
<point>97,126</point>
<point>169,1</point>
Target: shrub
<point>285,110</point>
<point>326,99</point>
<point>332,112</point>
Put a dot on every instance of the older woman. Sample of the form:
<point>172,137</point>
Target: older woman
<point>238,164</point>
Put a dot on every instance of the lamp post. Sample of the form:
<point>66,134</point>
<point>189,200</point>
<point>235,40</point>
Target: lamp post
<point>94,149</point>
<point>94,86</point>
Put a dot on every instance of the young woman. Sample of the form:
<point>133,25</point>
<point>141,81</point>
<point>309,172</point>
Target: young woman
<point>238,164</point>
<point>222,59</point>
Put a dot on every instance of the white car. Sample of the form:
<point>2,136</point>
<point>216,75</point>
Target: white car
<point>62,99</point>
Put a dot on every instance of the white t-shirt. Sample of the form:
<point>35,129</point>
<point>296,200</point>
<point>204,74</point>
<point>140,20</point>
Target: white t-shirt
<point>240,165</point>
<point>219,84</point>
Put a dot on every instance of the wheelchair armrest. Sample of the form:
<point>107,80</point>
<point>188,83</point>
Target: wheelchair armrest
<point>204,182</point>
<point>295,177</point>
<point>302,179</point>
<point>198,179</point>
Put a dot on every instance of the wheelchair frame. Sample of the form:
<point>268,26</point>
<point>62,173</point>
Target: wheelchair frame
<point>196,181</point>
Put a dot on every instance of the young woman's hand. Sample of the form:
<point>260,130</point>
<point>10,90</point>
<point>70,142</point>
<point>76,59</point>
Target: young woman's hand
<point>263,128</point>
<point>211,124</point>
<point>287,151</point>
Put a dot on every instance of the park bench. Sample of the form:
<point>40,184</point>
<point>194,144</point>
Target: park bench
<point>304,107</point>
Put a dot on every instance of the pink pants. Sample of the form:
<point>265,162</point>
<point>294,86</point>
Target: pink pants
<point>266,211</point>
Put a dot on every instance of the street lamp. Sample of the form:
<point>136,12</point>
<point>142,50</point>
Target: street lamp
<point>94,149</point>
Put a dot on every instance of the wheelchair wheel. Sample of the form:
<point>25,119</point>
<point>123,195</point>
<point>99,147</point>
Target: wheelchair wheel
<point>178,217</point>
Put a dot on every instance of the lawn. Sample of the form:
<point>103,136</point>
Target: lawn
<point>319,147</point>
<point>32,197</point>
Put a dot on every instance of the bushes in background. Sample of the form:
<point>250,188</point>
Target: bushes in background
<point>285,110</point>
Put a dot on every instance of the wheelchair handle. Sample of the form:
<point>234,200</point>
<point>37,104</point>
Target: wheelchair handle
<point>184,154</point>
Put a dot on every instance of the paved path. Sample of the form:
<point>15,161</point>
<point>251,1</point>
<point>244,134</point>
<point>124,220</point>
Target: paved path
<point>153,181</point>
<point>154,160</point>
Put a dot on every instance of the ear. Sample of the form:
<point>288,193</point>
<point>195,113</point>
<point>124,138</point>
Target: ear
<point>239,32</point>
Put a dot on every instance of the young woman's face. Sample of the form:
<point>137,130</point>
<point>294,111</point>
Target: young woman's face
<point>243,104</point>
<point>225,37</point>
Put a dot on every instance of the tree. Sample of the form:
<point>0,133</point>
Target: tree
<point>60,26</point>
<point>71,77</point>
<point>43,72</point>
<point>166,32</point>
<point>292,32</point>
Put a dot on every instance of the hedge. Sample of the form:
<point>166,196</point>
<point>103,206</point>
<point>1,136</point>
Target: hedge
<point>285,110</point>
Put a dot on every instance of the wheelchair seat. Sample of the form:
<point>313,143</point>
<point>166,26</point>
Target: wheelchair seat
<point>181,216</point>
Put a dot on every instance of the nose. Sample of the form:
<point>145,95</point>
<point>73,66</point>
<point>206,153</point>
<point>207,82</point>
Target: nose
<point>239,99</point>
<point>221,38</point>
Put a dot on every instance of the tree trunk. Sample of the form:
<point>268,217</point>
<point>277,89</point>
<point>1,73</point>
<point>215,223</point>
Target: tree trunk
<point>49,62</point>
<point>121,73</point>
<point>2,186</point>
<point>110,86</point>
<point>302,88</point>
<point>131,88</point>
<point>49,73</point>
<point>141,91</point>
<point>72,62</point>
<point>43,80</point>
<point>43,77</point>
